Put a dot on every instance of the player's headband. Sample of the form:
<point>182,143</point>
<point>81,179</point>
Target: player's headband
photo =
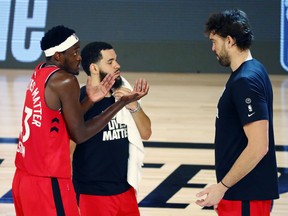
<point>69,42</point>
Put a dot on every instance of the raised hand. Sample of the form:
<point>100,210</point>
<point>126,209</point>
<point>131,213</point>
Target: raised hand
<point>96,93</point>
<point>141,88</point>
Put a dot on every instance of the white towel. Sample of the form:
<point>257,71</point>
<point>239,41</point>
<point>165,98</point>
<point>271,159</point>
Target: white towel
<point>136,148</point>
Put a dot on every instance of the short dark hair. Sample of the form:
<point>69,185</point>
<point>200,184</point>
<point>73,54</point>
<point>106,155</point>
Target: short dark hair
<point>91,53</point>
<point>234,23</point>
<point>55,36</point>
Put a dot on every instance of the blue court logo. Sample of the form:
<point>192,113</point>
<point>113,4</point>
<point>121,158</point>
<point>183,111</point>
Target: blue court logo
<point>284,35</point>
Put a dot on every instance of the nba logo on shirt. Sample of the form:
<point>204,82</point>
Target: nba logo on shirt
<point>284,35</point>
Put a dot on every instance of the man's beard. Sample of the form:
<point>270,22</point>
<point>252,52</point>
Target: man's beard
<point>224,59</point>
<point>118,81</point>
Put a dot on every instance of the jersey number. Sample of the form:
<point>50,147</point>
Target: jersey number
<point>24,138</point>
<point>28,112</point>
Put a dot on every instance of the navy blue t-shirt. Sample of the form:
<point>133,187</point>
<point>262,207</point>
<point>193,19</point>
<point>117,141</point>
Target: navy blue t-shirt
<point>247,97</point>
<point>100,163</point>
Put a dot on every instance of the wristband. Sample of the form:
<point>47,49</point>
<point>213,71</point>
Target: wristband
<point>136,109</point>
<point>224,184</point>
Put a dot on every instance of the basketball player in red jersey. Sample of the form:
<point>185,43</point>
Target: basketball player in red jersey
<point>52,115</point>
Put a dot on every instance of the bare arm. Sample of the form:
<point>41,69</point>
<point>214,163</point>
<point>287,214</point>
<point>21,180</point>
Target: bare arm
<point>143,124</point>
<point>257,134</point>
<point>142,121</point>
<point>63,91</point>
<point>257,147</point>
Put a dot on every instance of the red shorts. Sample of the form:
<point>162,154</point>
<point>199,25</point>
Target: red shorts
<point>36,196</point>
<point>117,205</point>
<point>244,208</point>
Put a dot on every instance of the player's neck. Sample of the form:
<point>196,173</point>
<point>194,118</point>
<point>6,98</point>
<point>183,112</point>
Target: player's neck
<point>239,58</point>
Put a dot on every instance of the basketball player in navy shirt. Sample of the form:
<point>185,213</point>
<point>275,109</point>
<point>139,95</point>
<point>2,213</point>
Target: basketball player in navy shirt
<point>245,160</point>
<point>103,175</point>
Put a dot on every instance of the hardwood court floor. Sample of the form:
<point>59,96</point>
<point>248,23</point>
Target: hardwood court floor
<point>179,156</point>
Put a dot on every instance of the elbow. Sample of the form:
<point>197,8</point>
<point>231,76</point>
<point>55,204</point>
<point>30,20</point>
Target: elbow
<point>265,150</point>
<point>147,134</point>
<point>77,138</point>
<point>258,150</point>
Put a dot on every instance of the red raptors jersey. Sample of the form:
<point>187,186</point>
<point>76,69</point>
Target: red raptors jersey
<point>43,148</point>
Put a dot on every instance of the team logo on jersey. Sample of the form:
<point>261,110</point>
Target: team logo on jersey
<point>250,109</point>
<point>248,100</point>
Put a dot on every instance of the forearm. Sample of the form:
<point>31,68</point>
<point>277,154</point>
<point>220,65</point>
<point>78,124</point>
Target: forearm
<point>80,131</point>
<point>98,123</point>
<point>256,149</point>
<point>143,124</point>
<point>246,162</point>
<point>86,104</point>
